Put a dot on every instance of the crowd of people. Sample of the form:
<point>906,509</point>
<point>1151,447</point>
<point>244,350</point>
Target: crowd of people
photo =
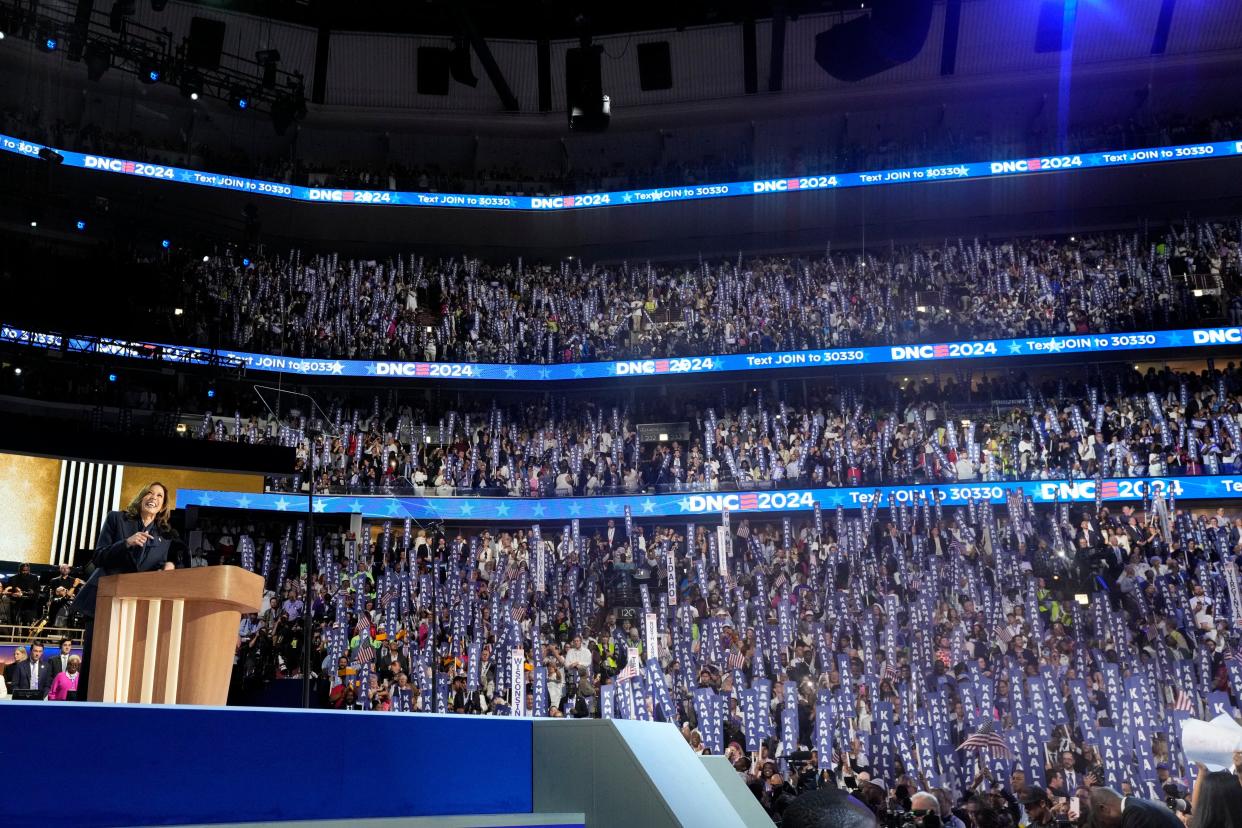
<point>1117,422</point>
<point>858,651</point>
<point>468,311</point>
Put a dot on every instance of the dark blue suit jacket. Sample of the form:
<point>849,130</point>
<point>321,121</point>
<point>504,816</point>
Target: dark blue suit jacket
<point>113,557</point>
<point>25,668</point>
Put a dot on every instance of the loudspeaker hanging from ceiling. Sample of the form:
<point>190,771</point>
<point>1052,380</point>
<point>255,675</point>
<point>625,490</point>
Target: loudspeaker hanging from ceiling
<point>893,34</point>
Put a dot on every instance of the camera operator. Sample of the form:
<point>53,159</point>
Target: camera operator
<point>925,810</point>
<point>1038,807</point>
<point>1175,798</point>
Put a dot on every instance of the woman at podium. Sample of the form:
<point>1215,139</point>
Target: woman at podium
<point>136,539</point>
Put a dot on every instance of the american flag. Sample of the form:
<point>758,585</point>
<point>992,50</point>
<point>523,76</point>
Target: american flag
<point>986,737</point>
<point>518,613</point>
<point>735,660</point>
<point>628,672</point>
<point>1002,633</point>
<point>890,671</point>
<point>364,624</point>
<point>387,597</point>
<point>1182,701</point>
<point>779,581</point>
<point>365,653</point>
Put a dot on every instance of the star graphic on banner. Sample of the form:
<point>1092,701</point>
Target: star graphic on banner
<point>337,367</point>
<point>835,499</point>
<point>544,373</point>
<point>466,508</point>
<point>394,506</point>
<point>320,504</point>
<point>610,507</point>
<point>578,372</point>
<point>282,505</point>
<point>356,506</point>
<point>684,504</point>
<point>575,508</point>
<point>479,371</point>
<point>539,510</point>
<point>510,372</point>
<point>502,510</point>
<point>370,367</point>
<point>612,367</point>
<point>243,502</point>
<point>649,506</point>
<point>628,198</point>
<point>205,499</point>
<point>1015,347</point>
<point>1176,338</point>
<point>186,176</point>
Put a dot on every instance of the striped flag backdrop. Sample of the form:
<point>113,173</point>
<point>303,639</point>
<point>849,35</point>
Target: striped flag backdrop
<point>87,492</point>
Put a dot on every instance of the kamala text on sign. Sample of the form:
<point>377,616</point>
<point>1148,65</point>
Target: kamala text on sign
<point>976,170</point>
<point>682,505</point>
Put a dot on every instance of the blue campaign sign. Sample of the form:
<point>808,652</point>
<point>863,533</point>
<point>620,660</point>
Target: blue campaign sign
<point>712,503</point>
<point>655,195</point>
<point>673,366</point>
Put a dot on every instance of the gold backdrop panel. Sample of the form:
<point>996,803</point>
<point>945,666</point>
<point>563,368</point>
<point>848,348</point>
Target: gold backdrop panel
<point>28,487</point>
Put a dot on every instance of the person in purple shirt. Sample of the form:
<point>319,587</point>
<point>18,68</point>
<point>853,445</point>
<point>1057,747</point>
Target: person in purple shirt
<point>292,605</point>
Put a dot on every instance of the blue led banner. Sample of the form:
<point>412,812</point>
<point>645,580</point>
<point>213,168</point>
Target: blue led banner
<point>688,192</point>
<point>712,503</point>
<point>875,355</point>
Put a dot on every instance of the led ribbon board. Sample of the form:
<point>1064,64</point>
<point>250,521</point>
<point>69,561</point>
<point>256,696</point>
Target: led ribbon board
<point>655,195</point>
<point>873,355</point>
<point>686,504</point>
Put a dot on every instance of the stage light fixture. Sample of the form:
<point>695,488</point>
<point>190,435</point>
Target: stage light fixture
<point>17,371</point>
<point>283,112</point>
<point>178,311</point>
<point>149,71</point>
<point>111,377</point>
<point>34,223</point>
<point>165,244</point>
<point>191,85</point>
<point>211,393</point>
<point>239,100</point>
<point>98,58</point>
<point>121,9</point>
<point>245,263</point>
<point>268,60</point>
<point>48,41</point>
<point>81,225</point>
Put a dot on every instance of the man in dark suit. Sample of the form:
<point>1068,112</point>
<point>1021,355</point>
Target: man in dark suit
<point>392,661</point>
<point>60,661</point>
<point>1110,809</point>
<point>34,673</point>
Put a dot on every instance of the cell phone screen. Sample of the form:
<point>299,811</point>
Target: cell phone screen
<point>1074,807</point>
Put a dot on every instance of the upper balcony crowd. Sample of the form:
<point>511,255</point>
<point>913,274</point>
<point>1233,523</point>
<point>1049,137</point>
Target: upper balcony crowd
<point>465,310</point>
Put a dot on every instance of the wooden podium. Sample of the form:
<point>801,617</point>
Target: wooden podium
<point>169,637</point>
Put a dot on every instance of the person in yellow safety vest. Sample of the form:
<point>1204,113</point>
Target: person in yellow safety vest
<point>608,656</point>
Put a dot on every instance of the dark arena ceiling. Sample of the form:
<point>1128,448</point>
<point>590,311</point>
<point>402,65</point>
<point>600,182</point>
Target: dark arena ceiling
<point>519,19</point>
